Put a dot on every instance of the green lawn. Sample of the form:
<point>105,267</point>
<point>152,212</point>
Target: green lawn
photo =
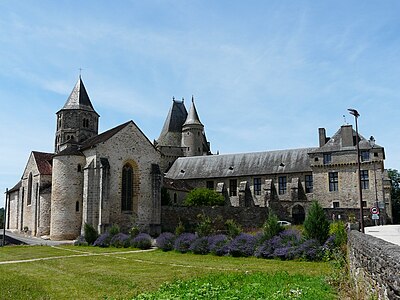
<point>120,273</point>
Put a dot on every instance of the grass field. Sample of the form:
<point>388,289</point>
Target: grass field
<point>68,272</point>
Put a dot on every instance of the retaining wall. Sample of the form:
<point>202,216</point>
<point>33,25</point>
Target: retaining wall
<point>374,266</point>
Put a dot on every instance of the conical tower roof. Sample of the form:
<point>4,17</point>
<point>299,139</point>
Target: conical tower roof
<point>79,99</point>
<point>193,117</point>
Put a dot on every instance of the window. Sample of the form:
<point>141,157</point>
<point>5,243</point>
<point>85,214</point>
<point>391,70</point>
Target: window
<point>85,122</point>
<point>29,199</point>
<point>127,188</point>
<point>364,204</point>
<point>333,181</point>
<point>257,186</point>
<point>79,168</point>
<point>77,206</point>
<point>365,155</point>
<point>327,158</point>
<point>376,154</point>
<point>309,183</point>
<point>335,204</point>
<point>233,187</point>
<point>364,180</point>
<point>210,184</point>
<point>282,182</point>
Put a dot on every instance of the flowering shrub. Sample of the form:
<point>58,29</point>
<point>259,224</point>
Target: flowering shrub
<point>310,250</point>
<point>242,245</point>
<point>120,240</point>
<point>200,246</point>
<point>103,240</point>
<point>142,241</point>
<point>183,242</point>
<point>165,241</point>
<point>218,244</point>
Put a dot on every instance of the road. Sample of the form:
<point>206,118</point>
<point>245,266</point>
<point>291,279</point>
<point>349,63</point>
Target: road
<point>389,233</point>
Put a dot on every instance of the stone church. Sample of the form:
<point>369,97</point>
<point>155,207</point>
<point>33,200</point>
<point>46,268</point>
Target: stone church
<point>116,177</point>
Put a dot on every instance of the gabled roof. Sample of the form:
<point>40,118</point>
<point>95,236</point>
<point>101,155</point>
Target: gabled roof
<point>44,162</point>
<point>335,143</point>
<point>79,99</point>
<point>15,187</point>
<point>242,164</point>
<point>103,136</point>
<point>193,117</point>
<point>171,133</point>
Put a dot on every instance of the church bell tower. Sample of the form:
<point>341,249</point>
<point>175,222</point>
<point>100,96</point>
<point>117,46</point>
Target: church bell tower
<point>77,121</point>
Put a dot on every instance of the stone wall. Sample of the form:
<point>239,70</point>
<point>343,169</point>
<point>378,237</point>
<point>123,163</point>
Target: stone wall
<point>247,217</point>
<point>374,266</point>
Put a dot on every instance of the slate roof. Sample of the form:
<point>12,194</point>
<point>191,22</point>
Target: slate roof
<point>193,117</point>
<point>15,187</point>
<point>43,162</point>
<point>79,98</point>
<point>70,150</point>
<point>103,136</point>
<point>242,164</point>
<point>172,129</point>
<point>335,143</point>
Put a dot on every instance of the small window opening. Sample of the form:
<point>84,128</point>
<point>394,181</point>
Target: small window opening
<point>79,168</point>
<point>77,206</point>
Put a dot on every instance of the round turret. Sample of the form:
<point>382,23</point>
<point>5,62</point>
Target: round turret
<point>66,198</point>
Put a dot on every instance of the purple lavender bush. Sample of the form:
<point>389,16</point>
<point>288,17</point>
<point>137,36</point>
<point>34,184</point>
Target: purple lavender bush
<point>218,244</point>
<point>267,248</point>
<point>200,246</point>
<point>183,242</point>
<point>311,250</point>
<point>103,240</point>
<point>142,241</point>
<point>120,240</point>
<point>286,246</point>
<point>165,241</point>
<point>242,245</point>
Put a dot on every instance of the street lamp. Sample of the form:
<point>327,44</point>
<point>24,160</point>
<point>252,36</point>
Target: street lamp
<point>356,115</point>
<point>372,144</point>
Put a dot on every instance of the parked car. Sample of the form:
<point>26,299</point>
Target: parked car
<point>284,223</point>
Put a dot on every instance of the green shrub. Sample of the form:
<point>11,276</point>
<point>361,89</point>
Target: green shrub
<point>204,226</point>
<point>204,197</point>
<point>233,228</point>
<point>90,233</point>
<point>114,229</point>
<point>179,229</point>
<point>316,225</point>
<point>271,227</point>
<point>338,229</point>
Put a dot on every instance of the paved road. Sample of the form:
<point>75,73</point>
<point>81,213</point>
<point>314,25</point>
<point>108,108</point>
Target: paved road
<point>34,240</point>
<point>390,233</point>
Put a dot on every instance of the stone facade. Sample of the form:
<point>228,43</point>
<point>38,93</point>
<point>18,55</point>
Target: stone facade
<point>374,267</point>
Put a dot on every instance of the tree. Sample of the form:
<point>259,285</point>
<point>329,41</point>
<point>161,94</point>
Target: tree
<point>316,225</point>
<point>394,176</point>
<point>204,197</point>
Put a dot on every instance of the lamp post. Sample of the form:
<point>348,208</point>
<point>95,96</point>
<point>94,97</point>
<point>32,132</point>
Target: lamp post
<point>356,115</point>
<point>372,144</point>
<point>4,220</point>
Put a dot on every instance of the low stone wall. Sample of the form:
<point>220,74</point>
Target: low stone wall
<point>247,217</point>
<point>374,266</point>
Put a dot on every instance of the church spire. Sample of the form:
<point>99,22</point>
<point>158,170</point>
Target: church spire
<point>79,98</point>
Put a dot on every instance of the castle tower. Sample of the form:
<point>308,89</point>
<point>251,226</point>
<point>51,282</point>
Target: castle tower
<point>193,138</point>
<point>77,120</point>
<point>67,194</point>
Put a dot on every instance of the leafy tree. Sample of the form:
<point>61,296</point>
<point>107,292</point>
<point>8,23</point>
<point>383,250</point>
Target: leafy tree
<point>90,233</point>
<point>394,176</point>
<point>316,225</point>
<point>204,197</point>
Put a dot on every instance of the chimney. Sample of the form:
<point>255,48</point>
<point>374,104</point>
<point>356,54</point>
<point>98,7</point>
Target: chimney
<point>347,136</point>
<point>322,136</point>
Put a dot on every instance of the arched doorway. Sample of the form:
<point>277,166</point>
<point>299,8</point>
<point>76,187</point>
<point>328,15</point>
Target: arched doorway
<point>298,214</point>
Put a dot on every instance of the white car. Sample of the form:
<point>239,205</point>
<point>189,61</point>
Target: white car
<point>284,223</point>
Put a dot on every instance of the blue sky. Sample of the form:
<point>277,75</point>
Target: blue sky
<point>265,74</point>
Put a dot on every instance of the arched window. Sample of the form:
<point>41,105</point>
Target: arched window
<point>127,188</point>
<point>79,168</point>
<point>29,200</point>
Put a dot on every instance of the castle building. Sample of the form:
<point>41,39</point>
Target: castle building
<point>116,177</point>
